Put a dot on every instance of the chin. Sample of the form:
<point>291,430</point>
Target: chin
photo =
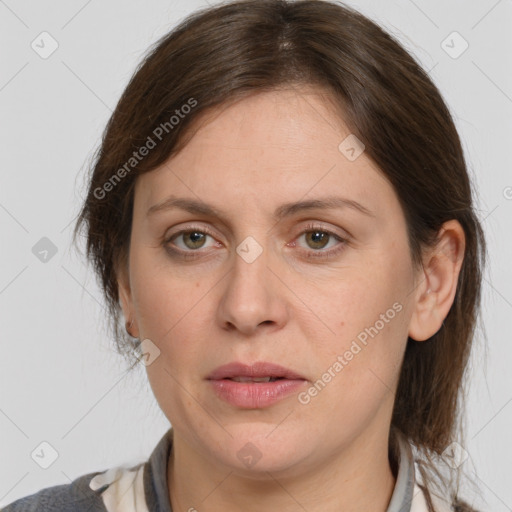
<point>255,450</point>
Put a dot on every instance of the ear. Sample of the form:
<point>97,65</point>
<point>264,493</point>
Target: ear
<point>437,283</point>
<point>125,296</point>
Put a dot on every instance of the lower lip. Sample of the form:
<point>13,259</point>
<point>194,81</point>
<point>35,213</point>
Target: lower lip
<point>254,395</point>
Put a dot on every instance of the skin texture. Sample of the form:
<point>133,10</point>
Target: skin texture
<point>269,149</point>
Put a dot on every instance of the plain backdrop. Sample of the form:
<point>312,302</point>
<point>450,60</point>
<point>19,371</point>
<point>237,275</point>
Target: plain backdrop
<point>60,380</point>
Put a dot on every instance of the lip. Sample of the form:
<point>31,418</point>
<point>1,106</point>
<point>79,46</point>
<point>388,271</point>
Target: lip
<point>257,369</point>
<point>254,395</point>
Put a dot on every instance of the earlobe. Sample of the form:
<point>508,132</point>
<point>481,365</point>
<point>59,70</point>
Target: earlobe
<point>437,285</point>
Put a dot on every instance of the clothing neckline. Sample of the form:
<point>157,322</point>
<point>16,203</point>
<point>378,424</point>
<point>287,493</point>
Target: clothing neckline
<point>157,490</point>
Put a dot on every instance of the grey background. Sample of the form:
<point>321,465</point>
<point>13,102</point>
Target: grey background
<point>60,380</point>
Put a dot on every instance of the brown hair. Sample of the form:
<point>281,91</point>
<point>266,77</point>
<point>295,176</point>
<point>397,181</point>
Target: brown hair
<point>222,54</point>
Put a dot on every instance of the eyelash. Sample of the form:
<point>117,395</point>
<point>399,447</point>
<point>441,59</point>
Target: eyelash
<point>191,254</point>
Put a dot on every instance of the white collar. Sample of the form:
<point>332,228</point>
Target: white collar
<point>408,496</point>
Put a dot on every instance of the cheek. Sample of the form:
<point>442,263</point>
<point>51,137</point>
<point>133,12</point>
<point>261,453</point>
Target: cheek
<point>370,311</point>
<point>356,298</point>
<point>161,297</point>
<point>175,313</point>
<point>359,366</point>
<point>367,309</point>
<point>170,312</point>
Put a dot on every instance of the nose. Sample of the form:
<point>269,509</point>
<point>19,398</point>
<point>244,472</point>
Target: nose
<point>254,298</point>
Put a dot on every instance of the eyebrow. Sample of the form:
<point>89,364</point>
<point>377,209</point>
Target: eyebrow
<point>285,210</point>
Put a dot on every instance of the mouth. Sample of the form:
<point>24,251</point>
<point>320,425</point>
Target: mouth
<point>254,386</point>
<point>261,371</point>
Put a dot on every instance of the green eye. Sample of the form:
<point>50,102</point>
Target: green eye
<point>193,239</point>
<point>318,238</point>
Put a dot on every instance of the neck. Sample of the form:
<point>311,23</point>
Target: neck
<point>358,479</point>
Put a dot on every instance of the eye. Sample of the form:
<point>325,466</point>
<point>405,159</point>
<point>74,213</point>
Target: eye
<point>318,238</point>
<point>192,239</point>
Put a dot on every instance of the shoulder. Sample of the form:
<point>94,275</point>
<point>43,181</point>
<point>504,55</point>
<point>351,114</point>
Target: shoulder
<point>104,491</point>
<point>77,496</point>
<point>138,488</point>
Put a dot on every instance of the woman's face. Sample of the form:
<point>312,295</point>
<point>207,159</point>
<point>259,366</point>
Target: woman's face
<point>325,292</point>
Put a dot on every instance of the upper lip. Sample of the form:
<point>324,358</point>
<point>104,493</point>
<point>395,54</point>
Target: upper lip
<point>257,369</point>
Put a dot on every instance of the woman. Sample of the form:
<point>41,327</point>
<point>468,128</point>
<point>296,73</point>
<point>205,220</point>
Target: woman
<point>281,216</point>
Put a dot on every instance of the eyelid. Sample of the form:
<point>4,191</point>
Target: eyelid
<point>318,226</point>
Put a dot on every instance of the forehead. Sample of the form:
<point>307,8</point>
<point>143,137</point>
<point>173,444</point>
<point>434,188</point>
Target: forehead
<point>269,147</point>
